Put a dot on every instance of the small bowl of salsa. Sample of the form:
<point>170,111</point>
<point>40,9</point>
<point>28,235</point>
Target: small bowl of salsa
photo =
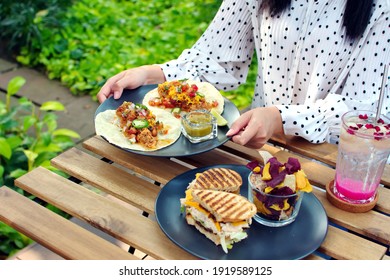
<point>199,125</point>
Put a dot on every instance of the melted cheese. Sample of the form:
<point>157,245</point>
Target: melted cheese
<point>189,201</point>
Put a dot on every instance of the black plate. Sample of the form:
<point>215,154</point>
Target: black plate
<point>294,241</point>
<point>182,147</point>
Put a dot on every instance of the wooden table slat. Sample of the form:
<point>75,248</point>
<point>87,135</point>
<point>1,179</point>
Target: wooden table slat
<point>107,178</point>
<point>356,248</point>
<point>157,167</point>
<point>103,213</point>
<point>371,224</point>
<point>42,225</point>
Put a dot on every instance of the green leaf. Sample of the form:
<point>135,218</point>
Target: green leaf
<point>46,138</point>
<point>28,121</point>
<point>66,132</point>
<point>24,102</point>
<point>5,148</point>
<point>1,171</point>
<point>52,106</point>
<point>15,84</point>
<point>17,173</point>
<point>14,141</point>
<point>31,156</point>
<point>50,120</point>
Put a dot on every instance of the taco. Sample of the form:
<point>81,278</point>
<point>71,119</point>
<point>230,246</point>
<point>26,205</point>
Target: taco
<point>136,127</point>
<point>181,96</point>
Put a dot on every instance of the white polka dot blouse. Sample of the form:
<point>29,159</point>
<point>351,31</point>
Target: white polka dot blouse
<point>307,67</point>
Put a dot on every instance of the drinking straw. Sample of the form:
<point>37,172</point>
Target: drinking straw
<point>382,92</point>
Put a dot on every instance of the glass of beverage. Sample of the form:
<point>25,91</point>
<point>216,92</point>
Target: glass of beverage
<point>362,155</point>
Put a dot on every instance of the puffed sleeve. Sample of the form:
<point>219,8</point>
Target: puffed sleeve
<point>223,54</point>
<point>360,90</point>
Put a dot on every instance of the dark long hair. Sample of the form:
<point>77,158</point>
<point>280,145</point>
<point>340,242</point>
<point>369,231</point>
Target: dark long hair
<point>356,15</point>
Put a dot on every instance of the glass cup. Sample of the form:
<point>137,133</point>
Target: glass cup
<point>273,210</point>
<point>362,155</point>
<point>199,126</point>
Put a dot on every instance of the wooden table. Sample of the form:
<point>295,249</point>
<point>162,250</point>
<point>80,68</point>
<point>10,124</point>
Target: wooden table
<point>100,172</point>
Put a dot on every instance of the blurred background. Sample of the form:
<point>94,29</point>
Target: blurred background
<point>82,43</point>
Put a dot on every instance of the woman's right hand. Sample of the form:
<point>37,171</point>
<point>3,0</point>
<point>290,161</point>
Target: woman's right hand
<point>130,79</point>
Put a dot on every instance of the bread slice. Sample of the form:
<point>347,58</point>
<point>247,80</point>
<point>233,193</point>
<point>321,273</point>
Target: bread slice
<point>222,179</point>
<point>224,206</point>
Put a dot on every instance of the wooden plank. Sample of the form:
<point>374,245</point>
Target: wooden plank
<point>342,245</point>
<point>105,214</point>
<point>55,232</point>
<point>108,178</point>
<point>371,224</point>
<point>324,152</point>
<point>155,168</point>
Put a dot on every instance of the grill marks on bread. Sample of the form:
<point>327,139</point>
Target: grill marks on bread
<point>219,178</point>
<point>224,206</point>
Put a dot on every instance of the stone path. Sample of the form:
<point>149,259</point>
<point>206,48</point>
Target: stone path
<point>79,112</point>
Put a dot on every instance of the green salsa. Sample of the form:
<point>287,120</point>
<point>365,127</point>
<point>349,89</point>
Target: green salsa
<point>198,124</point>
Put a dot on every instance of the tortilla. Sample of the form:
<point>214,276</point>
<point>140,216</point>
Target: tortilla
<point>105,126</point>
<point>208,90</point>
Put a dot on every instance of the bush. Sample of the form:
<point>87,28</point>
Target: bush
<point>93,40</point>
<point>20,21</point>
<point>28,138</point>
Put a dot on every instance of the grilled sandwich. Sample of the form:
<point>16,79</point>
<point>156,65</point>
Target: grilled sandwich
<point>221,179</point>
<point>221,216</point>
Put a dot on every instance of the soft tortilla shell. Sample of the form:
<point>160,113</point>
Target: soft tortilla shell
<point>210,92</point>
<point>106,127</point>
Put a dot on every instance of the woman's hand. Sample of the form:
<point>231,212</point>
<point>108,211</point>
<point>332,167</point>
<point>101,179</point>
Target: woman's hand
<point>130,79</point>
<point>255,127</point>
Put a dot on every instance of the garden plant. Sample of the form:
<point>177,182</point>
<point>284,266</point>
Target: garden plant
<point>83,43</point>
<point>29,137</point>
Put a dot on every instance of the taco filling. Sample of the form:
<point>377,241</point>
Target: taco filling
<point>182,96</point>
<point>139,124</point>
<point>135,126</point>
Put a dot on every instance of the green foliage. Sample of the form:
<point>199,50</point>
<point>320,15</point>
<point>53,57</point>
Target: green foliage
<point>97,39</point>
<point>19,20</point>
<point>29,138</point>
<point>11,241</point>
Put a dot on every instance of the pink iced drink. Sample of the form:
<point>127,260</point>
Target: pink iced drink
<point>353,189</point>
<point>362,155</point>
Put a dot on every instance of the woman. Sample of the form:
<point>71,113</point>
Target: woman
<point>316,60</point>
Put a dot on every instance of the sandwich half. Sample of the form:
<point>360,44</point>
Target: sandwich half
<point>221,216</point>
<point>220,179</point>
